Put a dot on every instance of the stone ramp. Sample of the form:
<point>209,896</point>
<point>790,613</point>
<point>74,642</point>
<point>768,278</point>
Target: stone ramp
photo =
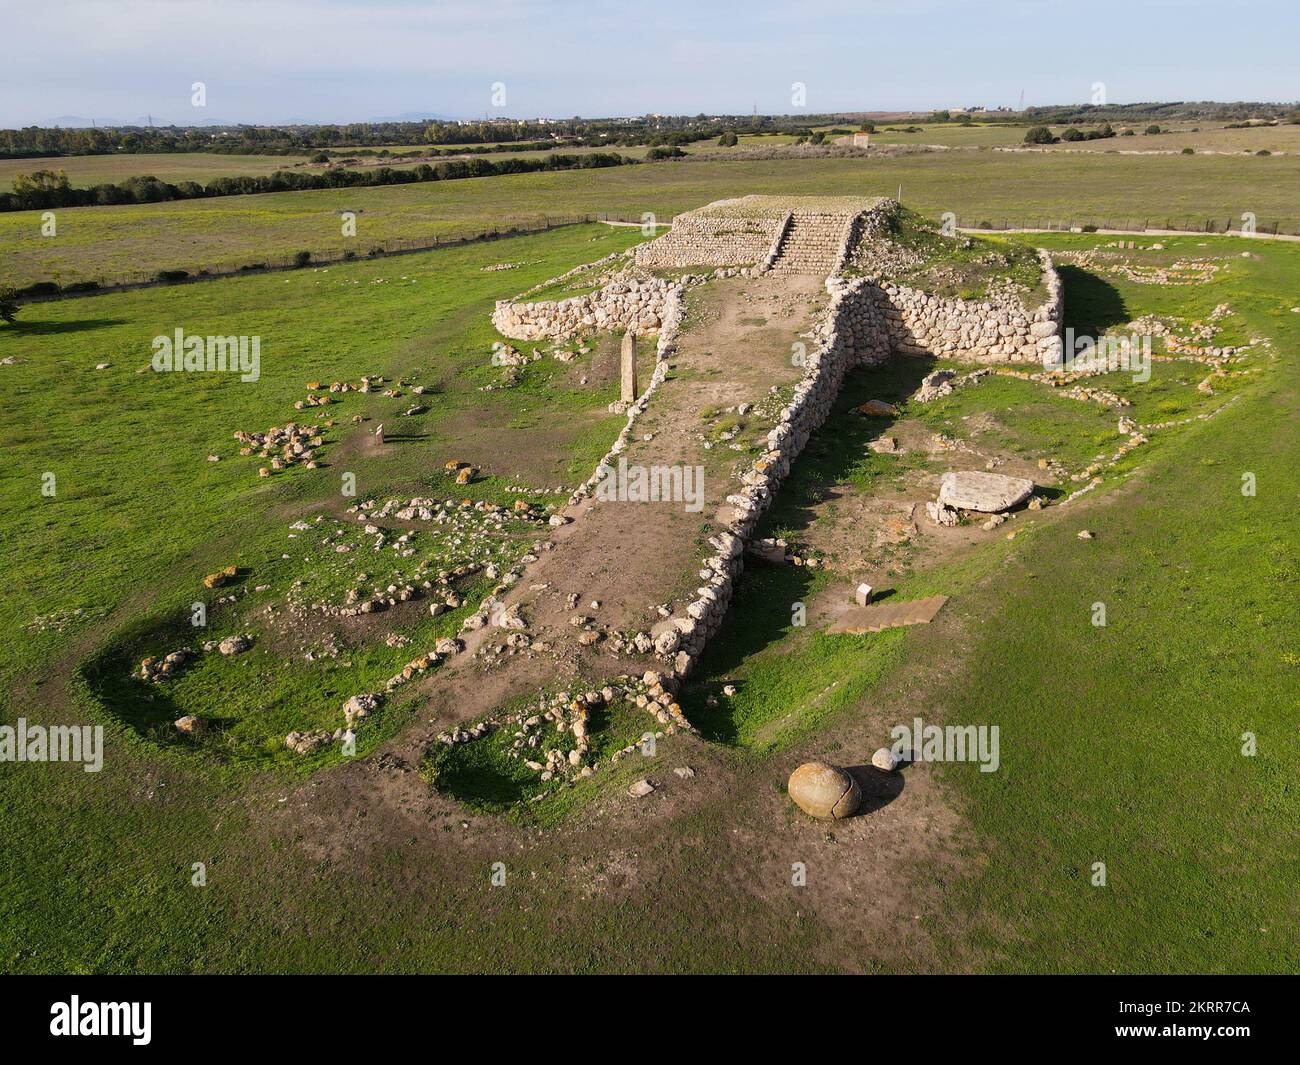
<point>630,557</point>
<point>888,616</point>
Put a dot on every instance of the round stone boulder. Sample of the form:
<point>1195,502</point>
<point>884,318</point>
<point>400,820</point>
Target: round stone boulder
<point>824,791</point>
<point>885,759</point>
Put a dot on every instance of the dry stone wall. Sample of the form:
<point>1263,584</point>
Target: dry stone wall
<point>853,332</point>
<point>631,302</point>
<point>978,331</point>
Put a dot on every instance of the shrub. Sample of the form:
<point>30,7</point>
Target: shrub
<point>1071,134</point>
<point>301,259</point>
<point>172,276</point>
<point>1152,129</point>
<point>1189,151</point>
<point>1263,151</point>
<point>728,140</point>
<point>8,304</point>
<point>1039,135</point>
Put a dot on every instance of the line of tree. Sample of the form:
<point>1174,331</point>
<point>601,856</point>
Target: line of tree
<point>47,188</point>
<point>1130,114</point>
<point>653,130</point>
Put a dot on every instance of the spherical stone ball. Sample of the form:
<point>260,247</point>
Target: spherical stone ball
<point>824,791</point>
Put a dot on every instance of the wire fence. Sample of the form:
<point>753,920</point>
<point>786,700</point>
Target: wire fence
<point>380,249</point>
<point>1154,224</point>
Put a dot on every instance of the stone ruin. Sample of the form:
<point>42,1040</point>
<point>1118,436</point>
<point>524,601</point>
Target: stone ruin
<point>867,321</point>
<point>822,236</point>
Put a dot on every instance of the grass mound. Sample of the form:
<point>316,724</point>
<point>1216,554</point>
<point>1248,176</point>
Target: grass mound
<point>914,251</point>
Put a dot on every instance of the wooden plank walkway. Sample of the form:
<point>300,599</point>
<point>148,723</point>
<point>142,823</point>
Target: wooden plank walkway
<point>889,615</point>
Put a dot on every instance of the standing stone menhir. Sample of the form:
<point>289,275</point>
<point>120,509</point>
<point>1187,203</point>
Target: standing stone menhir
<point>627,378</point>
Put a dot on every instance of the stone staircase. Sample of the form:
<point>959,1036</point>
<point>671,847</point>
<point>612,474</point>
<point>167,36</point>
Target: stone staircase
<point>812,243</point>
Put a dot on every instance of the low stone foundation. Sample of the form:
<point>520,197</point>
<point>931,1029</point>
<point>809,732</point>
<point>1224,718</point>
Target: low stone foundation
<point>976,331</point>
<point>631,303</point>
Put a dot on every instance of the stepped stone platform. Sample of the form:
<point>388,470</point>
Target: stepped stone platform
<point>790,234</point>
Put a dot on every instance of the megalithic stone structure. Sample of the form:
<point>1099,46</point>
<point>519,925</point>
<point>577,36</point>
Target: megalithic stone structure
<point>628,390</point>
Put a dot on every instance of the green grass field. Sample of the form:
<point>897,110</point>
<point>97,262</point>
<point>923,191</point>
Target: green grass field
<point>1120,744</point>
<point>140,514</point>
<point>111,243</point>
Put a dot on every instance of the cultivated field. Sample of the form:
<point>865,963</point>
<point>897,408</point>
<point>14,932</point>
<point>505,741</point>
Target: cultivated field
<point>112,243</point>
<point>85,171</point>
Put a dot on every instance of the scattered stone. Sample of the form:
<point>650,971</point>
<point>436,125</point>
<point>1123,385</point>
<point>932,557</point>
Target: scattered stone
<point>1084,534</point>
<point>234,645</point>
<point>769,550</point>
<point>191,725</point>
<point>685,772</point>
<point>156,669</point>
<point>935,385</point>
<point>641,789</point>
<point>942,514</point>
<point>863,595</point>
<point>217,580</point>
<point>360,706</point>
<point>306,742</point>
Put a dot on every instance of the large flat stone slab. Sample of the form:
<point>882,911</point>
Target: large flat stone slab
<point>988,493</point>
<point>888,615</point>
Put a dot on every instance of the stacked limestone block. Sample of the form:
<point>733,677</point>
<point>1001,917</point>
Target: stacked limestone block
<point>698,239</point>
<point>977,331</point>
<point>631,303</point>
<point>814,243</point>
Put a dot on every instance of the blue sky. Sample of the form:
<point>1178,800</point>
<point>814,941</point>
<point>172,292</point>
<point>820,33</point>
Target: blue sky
<point>269,61</point>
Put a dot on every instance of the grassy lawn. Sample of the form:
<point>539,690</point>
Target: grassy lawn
<point>109,243</point>
<point>105,572</point>
<point>1120,744</point>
